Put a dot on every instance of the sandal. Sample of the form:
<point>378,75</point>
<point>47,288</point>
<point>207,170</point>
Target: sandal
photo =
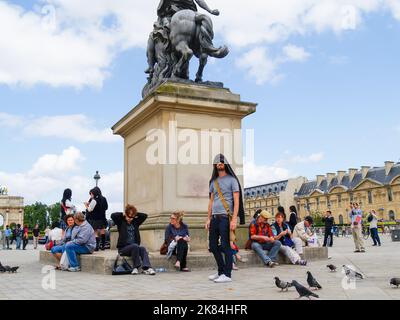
<point>57,267</point>
<point>185,270</point>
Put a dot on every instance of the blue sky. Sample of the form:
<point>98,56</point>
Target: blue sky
<point>328,96</point>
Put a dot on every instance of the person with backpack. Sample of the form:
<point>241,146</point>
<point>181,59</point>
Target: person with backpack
<point>96,215</point>
<point>373,227</point>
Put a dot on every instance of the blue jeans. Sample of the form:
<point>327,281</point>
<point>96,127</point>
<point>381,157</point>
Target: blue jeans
<point>375,236</point>
<point>72,250</point>
<point>58,249</point>
<point>272,248</point>
<point>220,243</point>
<point>18,243</point>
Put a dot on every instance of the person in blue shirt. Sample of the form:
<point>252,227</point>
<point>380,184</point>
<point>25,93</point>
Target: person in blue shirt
<point>7,235</point>
<point>58,250</point>
<point>177,238</point>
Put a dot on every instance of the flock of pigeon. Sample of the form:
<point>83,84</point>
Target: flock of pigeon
<point>313,283</point>
<point>4,269</point>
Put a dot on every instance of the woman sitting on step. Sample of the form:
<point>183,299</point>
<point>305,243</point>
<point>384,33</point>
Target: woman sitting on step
<point>177,239</point>
<point>128,245</point>
<point>282,233</point>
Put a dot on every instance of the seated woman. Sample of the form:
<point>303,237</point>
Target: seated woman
<point>129,239</point>
<point>83,241</point>
<point>282,233</point>
<point>177,239</point>
<point>57,251</point>
<point>302,234</point>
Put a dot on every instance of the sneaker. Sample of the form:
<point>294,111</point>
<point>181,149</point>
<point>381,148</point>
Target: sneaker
<point>135,271</point>
<point>357,251</point>
<point>149,272</point>
<point>302,262</point>
<point>223,279</point>
<point>362,251</point>
<point>77,269</point>
<point>213,277</point>
<point>272,264</point>
<point>234,267</point>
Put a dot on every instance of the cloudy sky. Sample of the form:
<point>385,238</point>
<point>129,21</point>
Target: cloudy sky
<point>324,72</point>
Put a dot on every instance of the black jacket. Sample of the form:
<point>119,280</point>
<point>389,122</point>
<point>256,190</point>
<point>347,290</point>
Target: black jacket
<point>121,224</point>
<point>329,223</point>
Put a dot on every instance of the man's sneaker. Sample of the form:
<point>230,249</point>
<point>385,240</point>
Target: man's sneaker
<point>149,272</point>
<point>223,279</point>
<point>272,264</point>
<point>302,262</point>
<point>357,251</point>
<point>77,269</point>
<point>362,251</point>
<point>213,277</point>
<point>135,271</point>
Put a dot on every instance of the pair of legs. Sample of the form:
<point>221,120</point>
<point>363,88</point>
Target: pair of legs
<point>35,242</point>
<point>293,256</point>
<point>220,244</point>
<point>72,251</point>
<point>181,250</point>
<point>375,236</point>
<point>139,255</point>
<point>272,248</point>
<point>298,245</point>
<point>358,239</point>
<point>57,252</point>
<point>328,235</point>
<point>18,243</point>
<point>25,242</point>
<point>8,242</point>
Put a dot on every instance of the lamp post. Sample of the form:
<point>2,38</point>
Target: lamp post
<point>97,178</point>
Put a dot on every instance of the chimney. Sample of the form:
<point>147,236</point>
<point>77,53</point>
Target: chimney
<point>364,171</point>
<point>352,173</point>
<point>388,166</point>
<point>330,177</point>
<point>341,175</point>
<point>320,178</point>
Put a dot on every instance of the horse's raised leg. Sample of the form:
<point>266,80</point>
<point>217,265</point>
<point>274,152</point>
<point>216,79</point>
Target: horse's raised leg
<point>203,62</point>
<point>181,69</point>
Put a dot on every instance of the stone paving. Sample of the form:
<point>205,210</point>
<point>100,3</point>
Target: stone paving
<point>378,264</point>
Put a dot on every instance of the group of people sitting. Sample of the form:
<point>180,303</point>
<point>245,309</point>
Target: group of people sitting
<point>267,240</point>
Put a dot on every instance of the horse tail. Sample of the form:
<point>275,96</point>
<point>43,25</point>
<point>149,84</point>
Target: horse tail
<point>206,36</point>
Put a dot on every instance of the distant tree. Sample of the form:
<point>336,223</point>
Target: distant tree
<point>35,214</point>
<point>54,213</point>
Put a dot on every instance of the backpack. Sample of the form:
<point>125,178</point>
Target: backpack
<point>370,218</point>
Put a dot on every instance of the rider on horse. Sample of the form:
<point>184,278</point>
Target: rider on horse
<point>165,12</point>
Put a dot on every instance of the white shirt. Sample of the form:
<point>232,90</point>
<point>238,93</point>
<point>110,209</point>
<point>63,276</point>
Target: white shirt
<point>374,223</point>
<point>56,234</point>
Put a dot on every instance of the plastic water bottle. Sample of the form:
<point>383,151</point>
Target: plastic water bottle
<point>161,270</point>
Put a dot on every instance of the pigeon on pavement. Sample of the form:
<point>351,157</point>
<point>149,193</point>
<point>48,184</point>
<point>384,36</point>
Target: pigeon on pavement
<point>352,273</point>
<point>14,269</point>
<point>395,282</point>
<point>303,291</point>
<point>332,267</point>
<point>282,284</point>
<point>312,282</point>
<point>2,269</point>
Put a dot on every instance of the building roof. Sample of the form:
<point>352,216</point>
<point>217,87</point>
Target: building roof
<point>377,174</point>
<point>266,189</point>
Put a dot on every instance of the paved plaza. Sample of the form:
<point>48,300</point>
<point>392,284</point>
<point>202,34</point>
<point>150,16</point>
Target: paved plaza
<point>378,264</point>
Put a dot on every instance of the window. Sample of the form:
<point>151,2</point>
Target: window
<point>351,197</point>
<point>390,195</point>
<point>341,220</point>
<point>339,199</point>
<point>370,197</point>
<point>392,216</point>
<point>318,203</point>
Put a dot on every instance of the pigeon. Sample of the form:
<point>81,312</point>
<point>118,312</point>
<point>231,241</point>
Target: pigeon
<point>331,267</point>
<point>282,284</point>
<point>14,269</point>
<point>312,282</point>
<point>303,291</point>
<point>7,268</point>
<point>395,282</point>
<point>351,273</point>
<point>2,269</point>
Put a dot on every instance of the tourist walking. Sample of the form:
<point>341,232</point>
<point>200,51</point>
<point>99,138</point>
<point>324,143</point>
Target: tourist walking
<point>282,233</point>
<point>35,235</point>
<point>96,213</point>
<point>263,239</point>
<point>13,235</point>
<point>225,206</point>
<point>356,227</point>
<point>18,237</point>
<point>329,222</point>
<point>25,237</point>
<point>7,235</point>
<point>129,242</point>
<point>293,218</point>
<point>373,227</point>
<point>177,239</point>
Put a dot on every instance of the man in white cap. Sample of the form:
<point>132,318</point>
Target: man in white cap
<point>263,239</point>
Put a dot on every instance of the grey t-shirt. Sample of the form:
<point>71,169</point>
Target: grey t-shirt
<point>228,186</point>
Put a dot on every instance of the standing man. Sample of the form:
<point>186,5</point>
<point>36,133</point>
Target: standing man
<point>226,205</point>
<point>7,234</point>
<point>373,227</point>
<point>329,221</point>
<point>18,236</point>
<point>356,226</point>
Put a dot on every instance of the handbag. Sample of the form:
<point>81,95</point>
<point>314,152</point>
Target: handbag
<point>64,261</point>
<point>232,235</point>
<point>121,268</point>
<point>164,249</point>
<point>288,242</point>
<point>49,245</point>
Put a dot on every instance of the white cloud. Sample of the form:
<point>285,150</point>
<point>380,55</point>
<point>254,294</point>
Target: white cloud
<point>263,68</point>
<point>75,44</point>
<point>52,173</point>
<point>77,127</point>
<point>260,174</point>
<point>290,159</point>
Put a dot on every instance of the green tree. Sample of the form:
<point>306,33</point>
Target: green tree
<point>317,217</point>
<point>54,213</point>
<point>36,213</point>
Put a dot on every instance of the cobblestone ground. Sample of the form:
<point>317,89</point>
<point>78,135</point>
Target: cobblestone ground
<point>378,264</point>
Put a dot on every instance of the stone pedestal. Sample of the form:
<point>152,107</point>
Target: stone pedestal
<point>170,141</point>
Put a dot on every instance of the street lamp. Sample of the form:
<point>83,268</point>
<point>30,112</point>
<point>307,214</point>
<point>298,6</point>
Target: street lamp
<point>97,178</point>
